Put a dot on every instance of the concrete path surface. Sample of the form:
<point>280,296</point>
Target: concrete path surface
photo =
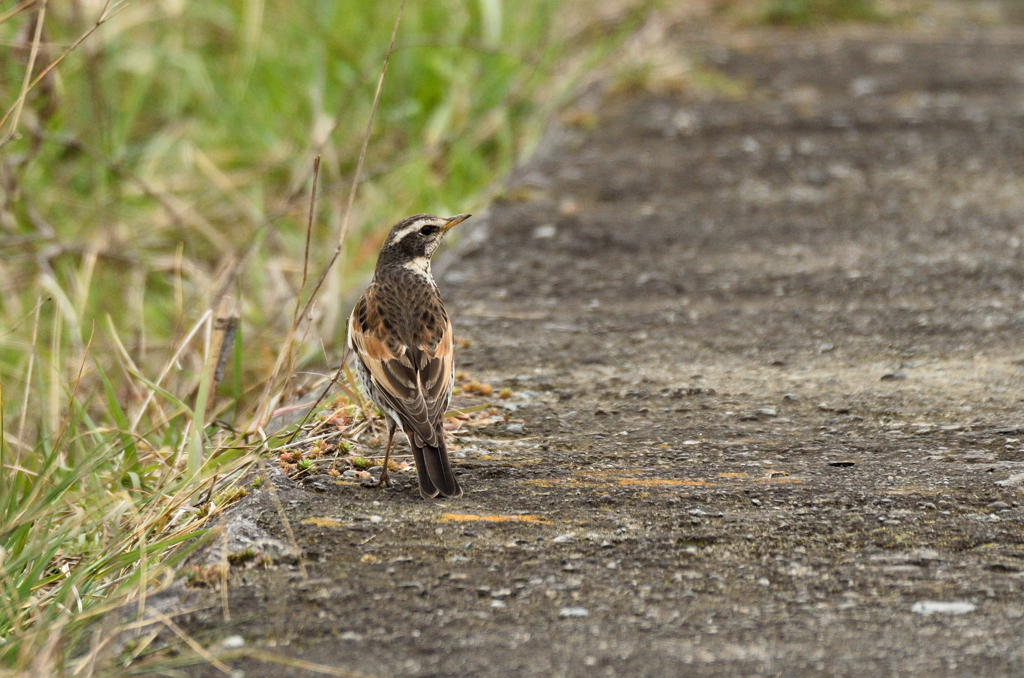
<point>765,353</point>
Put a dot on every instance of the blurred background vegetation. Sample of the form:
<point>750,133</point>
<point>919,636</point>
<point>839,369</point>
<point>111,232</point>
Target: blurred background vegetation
<point>167,162</point>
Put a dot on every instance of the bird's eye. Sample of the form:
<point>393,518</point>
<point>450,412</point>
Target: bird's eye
<point>428,230</point>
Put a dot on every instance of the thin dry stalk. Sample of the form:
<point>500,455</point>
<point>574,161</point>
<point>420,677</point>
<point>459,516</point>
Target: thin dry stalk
<point>309,227</point>
<point>224,575</point>
<point>299,664</point>
<point>286,348</point>
<point>167,368</point>
<point>74,390</point>
<point>284,519</point>
<point>359,167</point>
<point>17,9</point>
<point>28,377</point>
<point>196,647</point>
<point>133,368</point>
<point>105,15</point>
<point>20,102</point>
<point>285,354</point>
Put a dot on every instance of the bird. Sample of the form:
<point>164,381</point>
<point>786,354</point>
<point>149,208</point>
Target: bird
<point>402,338</point>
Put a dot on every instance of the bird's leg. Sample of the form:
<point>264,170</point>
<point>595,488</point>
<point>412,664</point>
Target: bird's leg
<point>384,479</point>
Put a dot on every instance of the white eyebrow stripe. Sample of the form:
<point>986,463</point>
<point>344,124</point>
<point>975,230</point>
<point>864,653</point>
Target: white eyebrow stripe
<point>414,226</point>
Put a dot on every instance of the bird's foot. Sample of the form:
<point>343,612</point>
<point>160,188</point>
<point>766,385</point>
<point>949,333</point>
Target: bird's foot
<point>385,481</point>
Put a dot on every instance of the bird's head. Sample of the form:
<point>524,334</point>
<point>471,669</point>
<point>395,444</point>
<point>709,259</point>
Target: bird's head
<point>414,240</point>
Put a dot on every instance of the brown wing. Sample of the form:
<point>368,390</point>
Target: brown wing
<point>413,377</point>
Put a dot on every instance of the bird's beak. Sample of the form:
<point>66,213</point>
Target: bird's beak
<point>452,221</point>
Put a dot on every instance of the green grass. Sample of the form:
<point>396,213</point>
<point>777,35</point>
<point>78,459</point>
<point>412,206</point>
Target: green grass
<point>808,12</point>
<point>166,163</point>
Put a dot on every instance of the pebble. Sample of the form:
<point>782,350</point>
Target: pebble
<point>544,232</point>
<point>996,505</point>
<point>564,538</point>
<point>573,612</point>
<point>515,429</point>
<point>792,397</point>
<point>232,642</point>
<point>375,519</point>
<point>755,502</point>
<point>766,412</point>
<point>697,512</point>
<point>928,607</point>
<point>893,376</point>
<point>1012,481</point>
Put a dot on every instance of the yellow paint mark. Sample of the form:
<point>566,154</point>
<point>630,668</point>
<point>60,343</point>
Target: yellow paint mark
<point>321,522</point>
<point>469,517</point>
<point>663,482</point>
<point>733,475</point>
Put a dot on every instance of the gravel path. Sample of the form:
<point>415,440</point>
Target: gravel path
<point>765,354</point>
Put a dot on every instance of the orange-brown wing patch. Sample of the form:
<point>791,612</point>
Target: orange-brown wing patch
<point>415,380</point>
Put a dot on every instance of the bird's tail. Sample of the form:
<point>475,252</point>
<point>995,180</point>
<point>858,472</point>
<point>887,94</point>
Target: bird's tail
<point>435,471</point>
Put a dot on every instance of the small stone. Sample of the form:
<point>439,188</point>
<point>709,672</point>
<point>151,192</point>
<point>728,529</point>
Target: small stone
<point>545,232</point>
<point>375,519</point>
<point>564,538</point>
<point>501,593</point>
<point>997,505</point>
<point>826,348</point>
<point>568,207</point>
<point>697,512</point>
<point>791,397</point>
<point>498,603</point>
<point>573,612</point>
<point>755,502</point>
<point>515,429</point>
<point>929,607</point>
<point>232,642</point>
<point>766,412</point>
<point>1012,481</point>
<point>763,582</point>
<point>893,376</point>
